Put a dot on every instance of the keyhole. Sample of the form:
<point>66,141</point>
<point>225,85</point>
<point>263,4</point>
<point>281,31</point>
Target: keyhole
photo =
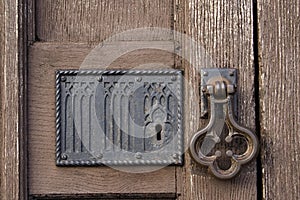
<point>158,129</point>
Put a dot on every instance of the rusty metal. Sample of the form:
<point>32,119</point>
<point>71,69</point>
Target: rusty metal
<point>119,117</point>
<point>215,141</point>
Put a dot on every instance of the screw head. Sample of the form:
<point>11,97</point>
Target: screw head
<point>64,157</point>
<point>205,73</point>
<point>229,153</point>
<point>100,156</point>
<point>175,156</point>
<point>218,153</point>
<point>100,78</point>
<point>228,139</point>
<point>63,78</point>
<point>231,73</point>
<point>174,78</point>
<point>138,155</point>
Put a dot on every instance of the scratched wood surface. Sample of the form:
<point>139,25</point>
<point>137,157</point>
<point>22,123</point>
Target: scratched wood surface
<point>96,20</point>
<point>12,131</point>
<point>2,48</point>
<point>279,43</point>
<point>224,31</point>
<point>107,197</point>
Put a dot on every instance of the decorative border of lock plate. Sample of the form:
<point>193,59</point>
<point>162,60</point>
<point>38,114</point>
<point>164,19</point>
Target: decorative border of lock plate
<point>174,159</point>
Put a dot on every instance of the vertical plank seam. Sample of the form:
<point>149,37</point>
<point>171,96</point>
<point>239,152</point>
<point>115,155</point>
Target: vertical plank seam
<point>257,94</point>
<point>24,23</point>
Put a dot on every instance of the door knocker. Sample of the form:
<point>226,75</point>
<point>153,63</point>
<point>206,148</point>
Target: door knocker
<point>219,139</point>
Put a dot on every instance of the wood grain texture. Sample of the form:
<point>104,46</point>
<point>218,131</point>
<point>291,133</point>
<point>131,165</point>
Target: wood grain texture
<point>44,176</point>
<point>224,30</point>
<point>95,20</point>
<point>12,129</point>
<point>2,61</point>
<point>279,28</point>
<point>31,17</point>
<point>128,196</point>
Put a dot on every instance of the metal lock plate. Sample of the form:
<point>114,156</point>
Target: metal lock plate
<point>113,117</point>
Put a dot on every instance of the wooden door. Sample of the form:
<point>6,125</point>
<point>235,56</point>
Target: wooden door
<point>260,38</point>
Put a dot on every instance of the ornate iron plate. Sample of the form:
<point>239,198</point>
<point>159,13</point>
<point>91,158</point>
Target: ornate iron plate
<point>113,117</point>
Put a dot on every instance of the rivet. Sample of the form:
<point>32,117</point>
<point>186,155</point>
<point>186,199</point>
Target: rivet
<point>228,139</point>
<point>229,153</point>
<point>218,153</point>
<point>175,156</point>
<point>231,73</point>
<point>64,156</point>
<point>100,78</point>
<point>100,156</point>
<point>174,78</point>
<point>63,78</point>
<point>138,79</point>
<point>205,73</point>
<point>138,155</point>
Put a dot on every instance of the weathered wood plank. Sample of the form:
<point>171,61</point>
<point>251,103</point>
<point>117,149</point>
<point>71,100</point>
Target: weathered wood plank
<point>128,196</point>
<point>224,29</point>
<point>13,184</point>
<point>2,61</point>
<point>44,176</point>
<point>31,16</point>
<point>95,20</point>
<point>279,43</point>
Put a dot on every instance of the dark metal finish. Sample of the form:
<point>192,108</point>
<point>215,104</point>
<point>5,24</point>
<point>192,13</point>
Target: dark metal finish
<point>114,117</point>
<point>213,74</point>
<point>218,87</point>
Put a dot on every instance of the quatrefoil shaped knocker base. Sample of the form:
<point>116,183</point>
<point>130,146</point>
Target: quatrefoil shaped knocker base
<point>223,145</point>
